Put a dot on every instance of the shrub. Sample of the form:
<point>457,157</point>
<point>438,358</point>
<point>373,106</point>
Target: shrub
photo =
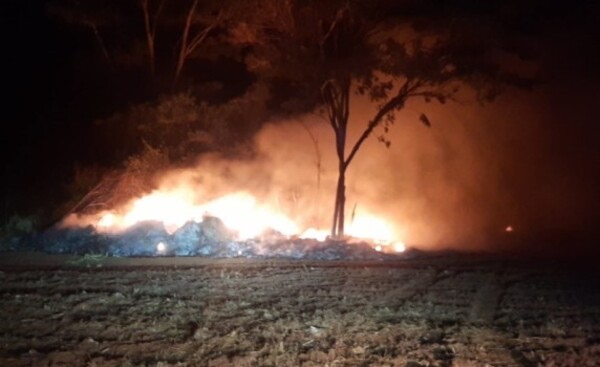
<point>14,229</point>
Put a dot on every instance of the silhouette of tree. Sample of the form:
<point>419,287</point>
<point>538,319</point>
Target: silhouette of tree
<point>327,50</point>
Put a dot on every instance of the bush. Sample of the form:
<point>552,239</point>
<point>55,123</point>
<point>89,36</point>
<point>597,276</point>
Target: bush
<point>19,225</point>
<point>14,229</point>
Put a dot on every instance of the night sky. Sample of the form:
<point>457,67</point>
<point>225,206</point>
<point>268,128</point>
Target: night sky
<point>56,85</point>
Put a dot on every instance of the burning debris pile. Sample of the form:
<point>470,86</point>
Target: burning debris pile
<point>208,216</point>
<point>171,223</point>
<point>208,238</point>
<point>221,208</point>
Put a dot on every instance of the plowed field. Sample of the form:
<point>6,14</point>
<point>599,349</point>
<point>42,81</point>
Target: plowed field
<point>437,311</point>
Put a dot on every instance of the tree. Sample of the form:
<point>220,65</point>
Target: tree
<point>195,31</point>
<point>338,47</point>
<point>194,24</point>
<point>173,31</point>
<point>92,15</point>
<point>151,17</point>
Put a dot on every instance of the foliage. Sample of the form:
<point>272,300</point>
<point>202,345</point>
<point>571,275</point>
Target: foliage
<point>165,125</point>
<point>293,47</point>
<point>84,180</point>
<point>151,137</point>
<point>15,227</point>
<point>148,161</point>
<point>182,128</point>
<point>19,225</point>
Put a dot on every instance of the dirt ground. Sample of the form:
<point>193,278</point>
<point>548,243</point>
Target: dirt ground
<point>438,311</point>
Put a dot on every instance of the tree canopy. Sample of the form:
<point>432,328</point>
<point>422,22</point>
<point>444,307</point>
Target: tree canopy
<point>325,51</point>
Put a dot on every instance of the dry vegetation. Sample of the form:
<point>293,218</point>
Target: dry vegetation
<point>427,312</point>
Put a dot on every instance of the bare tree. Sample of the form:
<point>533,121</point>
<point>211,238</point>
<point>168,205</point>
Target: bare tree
<point>344,47</point>
<point>336,95</point>
<point>192,22</point>
<point>90,15</point>
<point>195,31</point>
<point>151,17</point>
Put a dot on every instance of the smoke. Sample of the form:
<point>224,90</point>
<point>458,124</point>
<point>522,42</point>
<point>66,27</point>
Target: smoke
<point>526,161</point>
<point>458,184</point>
<point>436,187</point>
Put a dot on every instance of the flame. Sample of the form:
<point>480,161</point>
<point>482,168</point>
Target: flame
<point>399,247</point>
<point>238,211</point>
<point>368,226</point>
<point>171,208</point>
<point>315,234</point>
<point>107,220</point>
<point>241,213</point>
<point>161,248</point>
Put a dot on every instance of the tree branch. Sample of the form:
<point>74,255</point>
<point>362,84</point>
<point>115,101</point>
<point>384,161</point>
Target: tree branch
<point>338,17</point>
<point>156,15</point>
<point>394,103</point>
<point>200,37</point>
<point>100,41</point>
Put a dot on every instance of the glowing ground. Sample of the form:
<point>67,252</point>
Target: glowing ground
<point>440,311</point>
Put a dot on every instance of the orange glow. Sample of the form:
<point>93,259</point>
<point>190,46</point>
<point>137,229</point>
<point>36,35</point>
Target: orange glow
<point>171,208</point>
<point>367,226</point>
<point>107,220</point>
<point>399,247</point>
<point>241,212</point>
<point>161,248</point>
<point>315,234</point>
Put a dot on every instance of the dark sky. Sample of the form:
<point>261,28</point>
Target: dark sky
<point>54,89</point>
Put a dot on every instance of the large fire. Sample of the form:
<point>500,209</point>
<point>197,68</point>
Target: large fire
<point>274,192</point>
<point>240,212</point>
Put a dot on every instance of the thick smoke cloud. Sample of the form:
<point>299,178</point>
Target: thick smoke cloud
<point>438,187</point>
<point>459,184</point>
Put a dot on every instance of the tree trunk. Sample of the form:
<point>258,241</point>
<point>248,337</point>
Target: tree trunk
<point>189,42</point>
<point>150,24</point>
<point>149,36</point>
<point>183,50</point>
<point>102,45</point>
<point>336,95</point>
<point>337,230</point>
